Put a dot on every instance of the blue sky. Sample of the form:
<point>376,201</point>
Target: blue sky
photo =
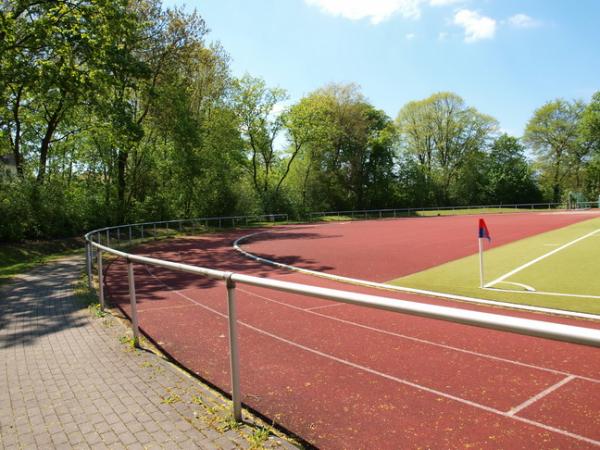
<point>504,57</point>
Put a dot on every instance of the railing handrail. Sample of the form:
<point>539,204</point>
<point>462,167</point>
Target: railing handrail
<point>197,219</point>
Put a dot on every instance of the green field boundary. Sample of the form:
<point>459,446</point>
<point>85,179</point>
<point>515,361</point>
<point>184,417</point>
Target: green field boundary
<point>570,271</point>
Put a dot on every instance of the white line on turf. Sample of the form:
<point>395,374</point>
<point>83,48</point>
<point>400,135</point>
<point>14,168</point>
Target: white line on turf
<point>553,294</point>
<point>524,286</point>
<point>387,376</point>
<point>390,287</point>
<point>539,396</point>
<point>539,258</point>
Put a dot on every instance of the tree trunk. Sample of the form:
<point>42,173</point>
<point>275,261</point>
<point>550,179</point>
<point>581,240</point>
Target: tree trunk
<point>121,183</point>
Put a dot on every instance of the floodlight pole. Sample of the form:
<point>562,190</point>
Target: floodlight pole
<point>481,262</point>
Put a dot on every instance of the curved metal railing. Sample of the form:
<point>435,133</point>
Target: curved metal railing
<point>561,332</point>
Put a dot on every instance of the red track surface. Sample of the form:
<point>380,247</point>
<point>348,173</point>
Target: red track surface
<point>342,376</point>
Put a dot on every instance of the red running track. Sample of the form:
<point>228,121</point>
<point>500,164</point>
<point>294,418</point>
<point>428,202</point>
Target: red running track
<point>342,376</point>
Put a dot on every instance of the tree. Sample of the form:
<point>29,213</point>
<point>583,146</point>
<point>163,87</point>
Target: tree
<point>552,133</point>
<point>509,176</point>
<point>441,133</point>
<point>347,160</point>
<point>54,59</point>
<point>260,125</point>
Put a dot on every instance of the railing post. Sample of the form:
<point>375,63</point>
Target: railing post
<point>142,231</point>
<point>133,302</point>
<point>234,357</point>
<point>119,234</point>
<point>107,238</point>
<point>129,234</point>
<point>100,280</point>
<point>88,263</point>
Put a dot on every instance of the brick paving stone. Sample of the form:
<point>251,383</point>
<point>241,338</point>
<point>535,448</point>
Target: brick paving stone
<point>67,382</point>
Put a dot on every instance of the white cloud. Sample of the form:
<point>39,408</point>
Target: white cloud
<point>523,21</point>
<point>444,2</point>
<point>410,36</point>
<point>375,10</point>
<point>475,25</point>
<point>442,36</point>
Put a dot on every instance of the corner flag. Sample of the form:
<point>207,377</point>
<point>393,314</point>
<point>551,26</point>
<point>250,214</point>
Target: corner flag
<point>483,230</point>
<point>484,233</point>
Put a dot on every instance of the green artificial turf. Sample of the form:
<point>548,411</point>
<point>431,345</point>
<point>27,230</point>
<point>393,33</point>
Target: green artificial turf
<point>573,270</point>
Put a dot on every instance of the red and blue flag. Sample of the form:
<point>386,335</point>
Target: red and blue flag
<point>483,230</point>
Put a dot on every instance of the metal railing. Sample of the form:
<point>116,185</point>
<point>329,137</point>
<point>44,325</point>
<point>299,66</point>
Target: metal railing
<point>567,333</point>
<point>408,212</point>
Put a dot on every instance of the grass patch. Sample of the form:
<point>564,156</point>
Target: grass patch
<point>569,271</point>
<point>417,213</point>
<point>467,211</point>
<point>21,257</point>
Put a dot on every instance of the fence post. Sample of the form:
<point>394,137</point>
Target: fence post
<point>107,238</point>
<point>129,234</point>
<point>132,300</point>
<point>234,357</point>
<point>119,234</point>
<point>142,231</point>
<point>100,280</point>
<point>154,230</point>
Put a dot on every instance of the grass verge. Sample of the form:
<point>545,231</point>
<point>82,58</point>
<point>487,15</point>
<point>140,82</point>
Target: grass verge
<point>21,257</point>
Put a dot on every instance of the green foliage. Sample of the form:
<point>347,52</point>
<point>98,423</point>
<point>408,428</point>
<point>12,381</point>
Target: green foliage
<point>510,178</point>
<point>552,133</point>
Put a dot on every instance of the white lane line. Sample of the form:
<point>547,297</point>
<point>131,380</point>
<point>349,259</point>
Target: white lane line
<point>539,396</point>
<point>395,288</point>
<point>539,258</point>
<point>386,376</point>
<point>320,307</point>
<point>555,294</point>
<point>421,341</point>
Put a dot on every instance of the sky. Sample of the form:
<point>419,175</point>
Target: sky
<point>504,57</point>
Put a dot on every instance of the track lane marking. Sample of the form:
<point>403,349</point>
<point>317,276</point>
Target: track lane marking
<point>539,258</point>
<point>423,341</point>
<point>384,375</point>
<point>539,396</point>
<point>319,307</point>
<point>390,333</point>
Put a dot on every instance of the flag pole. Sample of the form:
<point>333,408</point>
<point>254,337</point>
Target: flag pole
<point>481,262</point>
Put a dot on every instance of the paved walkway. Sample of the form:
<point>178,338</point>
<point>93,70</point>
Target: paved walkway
<point>68,379</point>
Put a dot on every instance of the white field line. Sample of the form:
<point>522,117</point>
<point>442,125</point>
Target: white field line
<point>553,294</point>
<point>387,376</point>
<point>524,286</point>
<point>390,287</point>
<point>539,258</point>
<point>539,396</point>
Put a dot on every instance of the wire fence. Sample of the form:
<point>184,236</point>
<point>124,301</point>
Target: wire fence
<point>95,250</point>
<point>431,211</point>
